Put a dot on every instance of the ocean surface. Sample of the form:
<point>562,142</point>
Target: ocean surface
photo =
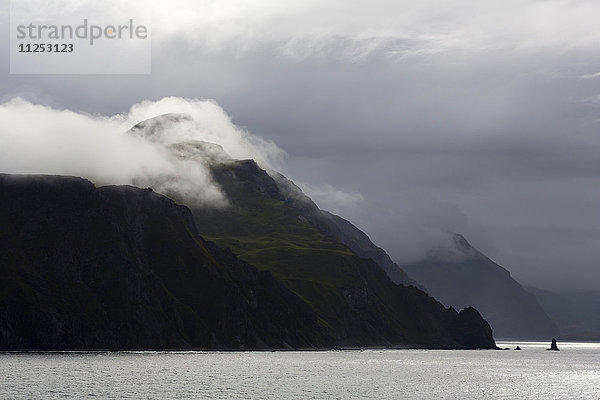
<point>532,373</point>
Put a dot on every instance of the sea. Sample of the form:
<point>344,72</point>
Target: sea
<point>531,373</point>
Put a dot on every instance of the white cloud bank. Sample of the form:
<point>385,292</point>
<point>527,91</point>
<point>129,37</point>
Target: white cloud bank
<point>332,199</point>
<point>357,27</point>
<point>402,26</point>
<point>36,139</point>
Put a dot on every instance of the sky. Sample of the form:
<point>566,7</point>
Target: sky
<point>407,118</point>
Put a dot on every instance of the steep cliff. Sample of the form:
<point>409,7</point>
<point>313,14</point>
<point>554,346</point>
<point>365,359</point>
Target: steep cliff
<point>124,268</point>
<point>283,232</point>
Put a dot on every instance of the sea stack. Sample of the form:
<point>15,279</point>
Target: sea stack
<point>553,346</point>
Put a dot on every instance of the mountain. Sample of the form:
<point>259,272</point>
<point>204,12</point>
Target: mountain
<point>353,286</point>
<point>120,267</point>
<point>324,259</point>
<point>275,186</point>
<point>465,277</point>
<point>357,303</point>
<point>124,268</point>
<point>577,314</point>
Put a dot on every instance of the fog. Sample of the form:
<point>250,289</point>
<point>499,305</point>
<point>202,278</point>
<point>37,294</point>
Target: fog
<point>42,140</point>
<point>408,118</point>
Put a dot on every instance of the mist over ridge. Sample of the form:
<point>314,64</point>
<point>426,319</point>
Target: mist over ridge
<point>102,148</point>
<point>153,144</point>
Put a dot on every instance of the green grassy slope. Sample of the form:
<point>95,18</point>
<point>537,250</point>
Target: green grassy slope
<point>354,299</point>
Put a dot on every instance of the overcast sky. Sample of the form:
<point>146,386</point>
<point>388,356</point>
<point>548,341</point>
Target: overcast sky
<point>406,117</point>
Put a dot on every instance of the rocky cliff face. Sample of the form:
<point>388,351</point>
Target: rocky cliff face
<point>124,268</point>
<point>283,232</point>
<point>328,262</point>
<point>274,186</point>
<point>466,277</point>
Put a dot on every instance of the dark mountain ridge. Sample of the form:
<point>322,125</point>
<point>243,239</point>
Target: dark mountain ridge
<point>339,229</point>
<point>463,276</point>
<point>274,186</point>
<point>124,268</point>
<point>277,231</point>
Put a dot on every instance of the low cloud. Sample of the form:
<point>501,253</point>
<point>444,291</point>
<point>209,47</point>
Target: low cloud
<point>590,76</point>
<point>43,140</point>
<point>334,200</point>
<point>491,109</point>
<point>399,27</point>
<point>40,139</point>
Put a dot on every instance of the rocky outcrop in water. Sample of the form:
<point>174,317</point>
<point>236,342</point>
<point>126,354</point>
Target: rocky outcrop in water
<point>553,345</point>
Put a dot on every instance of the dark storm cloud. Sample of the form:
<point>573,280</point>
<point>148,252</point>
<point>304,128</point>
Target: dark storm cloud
<point>461,116</point>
